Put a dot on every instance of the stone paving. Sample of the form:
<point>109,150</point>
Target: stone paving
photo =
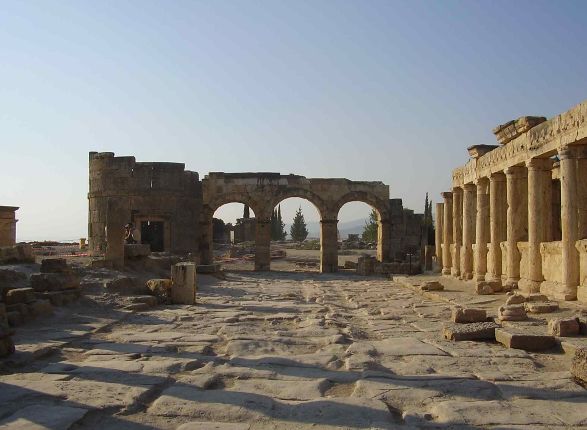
<point>281,351</point>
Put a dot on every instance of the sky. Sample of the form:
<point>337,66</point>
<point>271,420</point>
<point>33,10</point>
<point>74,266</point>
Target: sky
<point>391,91</point>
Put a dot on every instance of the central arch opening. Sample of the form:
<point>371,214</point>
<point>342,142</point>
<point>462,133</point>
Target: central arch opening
<point>295,235</point>
<point>233,236</point>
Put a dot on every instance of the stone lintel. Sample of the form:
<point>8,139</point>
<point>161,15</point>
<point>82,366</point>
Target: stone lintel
<point>512,129</point>
<point>477,151</point>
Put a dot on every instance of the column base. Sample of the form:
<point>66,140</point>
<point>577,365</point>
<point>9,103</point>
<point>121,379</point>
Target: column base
<point>559,291</point>
<point>466,276</point>
<point>511,283</point>
<point>529,286</point>
<point>446,271</point>
<point>456,273</point>
<point>479,277</point>
<point>329,268</point>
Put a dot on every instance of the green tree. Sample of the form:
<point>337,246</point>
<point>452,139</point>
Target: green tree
<point>298,229</point>
<point>371,227</point>
<point>428,223</point>
<point>280,225</point>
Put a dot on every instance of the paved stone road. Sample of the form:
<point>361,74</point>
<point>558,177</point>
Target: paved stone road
<point>289,351</point>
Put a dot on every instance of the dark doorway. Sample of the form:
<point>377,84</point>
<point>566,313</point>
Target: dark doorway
<point>152,233</point>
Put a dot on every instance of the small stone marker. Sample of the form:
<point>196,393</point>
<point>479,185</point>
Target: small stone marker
<point>528,342</point>
<point>472,331</point>
<point>563,327</point>
<point>183,283</point>
<point>512,313</point>
<point>579,365</point>
<point>468,315</point>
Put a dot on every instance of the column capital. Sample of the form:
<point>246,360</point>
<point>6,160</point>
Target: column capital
<point>541,164</point>
<point>497,177</point>
<point>482,185</point>
<point>446,195</point>
<point>469,187</point>
<point>457,190</point>
<point>572,151</point>
<point>516,171</point>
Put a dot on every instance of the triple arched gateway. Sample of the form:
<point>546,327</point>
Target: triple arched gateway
<point>172,209</point>
<point>263,191</point>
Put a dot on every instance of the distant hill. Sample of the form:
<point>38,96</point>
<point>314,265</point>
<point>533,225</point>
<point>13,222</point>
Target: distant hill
<point>344,228</point>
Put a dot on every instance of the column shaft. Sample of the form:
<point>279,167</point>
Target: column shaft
<point>383,240</point>
<point>497,219</point>
<point>329,245</point>
<point>482,229</point>
<point>469,216</point>
<point>447,231</point>
<point>569,224</point>
<point>457,230</point>
<point>539,222</point>
<point>517,220</point>
<point>439,233</point>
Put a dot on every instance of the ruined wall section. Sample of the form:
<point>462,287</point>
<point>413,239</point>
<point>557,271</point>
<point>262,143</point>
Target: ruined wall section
<point>405,231</point>
<point>122,190</point>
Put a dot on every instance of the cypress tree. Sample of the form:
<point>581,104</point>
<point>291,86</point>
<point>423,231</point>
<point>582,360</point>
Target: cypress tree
<point>371,227</point>
<point>298,229</point>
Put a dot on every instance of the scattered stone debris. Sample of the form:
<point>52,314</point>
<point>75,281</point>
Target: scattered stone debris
<point>541,307</point>
<point>431,286</point>
<point>564,327</point>
<point>512,313</point>
<point>468,315</point>
<point>488,287</point>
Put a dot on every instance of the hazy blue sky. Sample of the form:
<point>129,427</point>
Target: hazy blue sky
<point>369,90</point>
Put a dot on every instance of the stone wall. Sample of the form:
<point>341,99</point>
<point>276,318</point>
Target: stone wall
<point>123,190</point>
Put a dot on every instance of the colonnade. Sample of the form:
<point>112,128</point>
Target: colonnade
<point>502,227</point>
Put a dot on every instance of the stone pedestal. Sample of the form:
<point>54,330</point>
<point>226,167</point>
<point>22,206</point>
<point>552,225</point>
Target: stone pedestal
<point>447,230</point>
<point>263,245</point>
<point>183,283</point>
<point>457,229</point>
<point>328,245</point>
<point>481,229</point>
<point>469,217</point>
<point>517,220</point>
<point>539,221</point>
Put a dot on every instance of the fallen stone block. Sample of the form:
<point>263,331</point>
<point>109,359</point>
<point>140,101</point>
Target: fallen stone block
<point>54,265</point>
<point>468,315</point>
<point>40,308</point>
<point>527,342</point>
<point>472,331</point>
<point>515,299</point>
<point>536,297</point>
<point>541,307</point>
<point>60,298</point>
<point>512,313</point>
<point>582,319</point>
<point>484,288</point>
<point>563,327</point>
<point>125,285</point>
<point>136,250</point>
<point>431,286</point>
<point>14,319</point>
<point>20,295</point>
<point>208,268</point>
<point>6,346</point>
<point>183,283</point>
<point>350,264</point>
<point>54,281</point>
<point>579,365</point>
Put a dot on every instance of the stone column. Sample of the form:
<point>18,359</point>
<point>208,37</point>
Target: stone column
<point>539,222</point>
<point>329,245</point>
<point>457,230</point>
<point>117,216</point>
<point>569,224</point>
<point>447,233</point>
<point>383,240</point>
<point>497,221</point>
<point>517,220</point>
<point>582,191</point>
<point>482,229</point>
<point>439,233</point>
<point>183,283</point>
<point>469,216</point>
<point>262,245</point>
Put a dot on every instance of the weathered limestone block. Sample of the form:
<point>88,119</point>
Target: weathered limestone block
<point>125,285</point>
<point>512,313</point>
<point>528,342</point>
<point>136,250</point>
<point>431,286</point>
<point>40,308</point>
<point>20,295</point>
<point>541,307</point>
<point>54,281</point>
<point>505,133</point>
<point>468,315</point>
<point>471,331</point>
<point>536,297</point>
<point>579,365</point>
<point>160,288</point>
<point>581,246</point>
<point>563,327</point>
<point>515,299</point>
<point>366,265</point>
<point>350,264</point>
<point>183,283</point>
<point>488,287</point>
<point>54,265</point>
<point>21,253</point>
